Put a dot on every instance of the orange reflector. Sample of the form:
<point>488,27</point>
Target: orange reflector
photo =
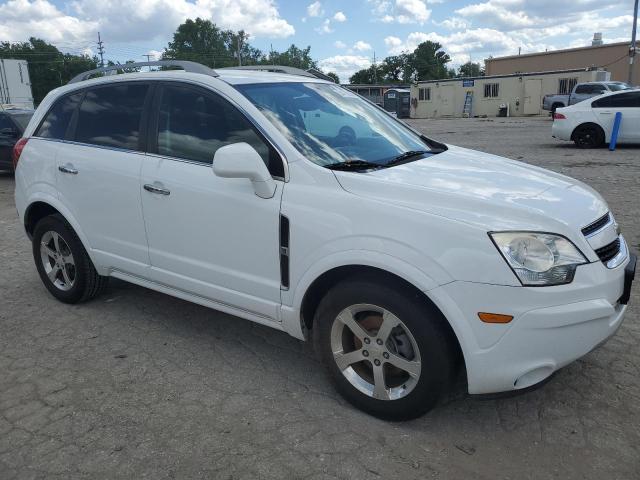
<point>494,317</point>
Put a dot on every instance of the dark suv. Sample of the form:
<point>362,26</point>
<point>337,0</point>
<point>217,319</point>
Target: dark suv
<point>12,124</point>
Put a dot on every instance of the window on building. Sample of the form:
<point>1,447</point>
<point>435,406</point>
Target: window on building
<point>424,94</point>
<point>491,90</point>
<point>566,85</point>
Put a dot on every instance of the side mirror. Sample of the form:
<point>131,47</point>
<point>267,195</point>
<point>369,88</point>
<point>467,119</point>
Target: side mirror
<point>240,160</point>
<point>8,132</point>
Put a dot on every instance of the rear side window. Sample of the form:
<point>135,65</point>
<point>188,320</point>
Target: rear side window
<point>111,116</point>
<point>193,124</point>
<point>57,120</point>
<point>621,100</point>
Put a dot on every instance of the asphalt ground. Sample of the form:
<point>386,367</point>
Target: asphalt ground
<point>137,384</point>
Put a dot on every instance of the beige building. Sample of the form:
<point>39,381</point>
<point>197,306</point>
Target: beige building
<point>613,57</point>
<point>517,94</point>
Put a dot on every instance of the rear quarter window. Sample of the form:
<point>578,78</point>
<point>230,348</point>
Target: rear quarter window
<point>56,121</point>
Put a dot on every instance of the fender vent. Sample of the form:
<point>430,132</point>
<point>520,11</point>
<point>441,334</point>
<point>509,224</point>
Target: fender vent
<point>284,251</point>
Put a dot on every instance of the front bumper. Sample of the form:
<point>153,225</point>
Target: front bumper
<point>552,326</point>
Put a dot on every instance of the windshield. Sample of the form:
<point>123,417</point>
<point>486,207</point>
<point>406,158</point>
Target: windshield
<point>331,125</point>
<point>22,120</point>
<point>614,87</point>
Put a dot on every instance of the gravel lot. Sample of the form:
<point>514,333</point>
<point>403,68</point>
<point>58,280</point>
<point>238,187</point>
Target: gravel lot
<point>138,384</point>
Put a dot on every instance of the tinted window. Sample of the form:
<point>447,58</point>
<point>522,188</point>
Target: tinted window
<point>57,120</point>
<point>621,100</point>
<point>583,89</point>
<point>5,123</point>
<point>193,124</point>
<point>22,120</point>
<point>111,116</point>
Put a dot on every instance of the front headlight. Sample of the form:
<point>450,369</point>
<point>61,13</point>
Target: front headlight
<point>539,259</point>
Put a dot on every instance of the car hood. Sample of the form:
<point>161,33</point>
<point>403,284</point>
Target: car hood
<point>482,189</point>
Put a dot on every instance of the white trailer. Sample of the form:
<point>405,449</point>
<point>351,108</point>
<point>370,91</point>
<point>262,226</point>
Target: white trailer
<point>15,85</point>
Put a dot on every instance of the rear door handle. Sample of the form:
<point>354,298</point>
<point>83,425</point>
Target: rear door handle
<point>68,169</point>
<point>149,187</point>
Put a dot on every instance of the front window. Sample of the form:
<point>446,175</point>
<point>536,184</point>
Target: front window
<point>332,126</point>
<point>614,87</point>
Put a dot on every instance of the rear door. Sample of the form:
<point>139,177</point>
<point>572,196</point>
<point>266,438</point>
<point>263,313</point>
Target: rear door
<point>628,104</point>
<point>99,172</point>
<point>532,93</point>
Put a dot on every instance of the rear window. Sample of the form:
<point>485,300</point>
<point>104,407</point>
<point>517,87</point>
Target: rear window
<point>111,116</point>
<point>22,120</point>
<point>57,120</point>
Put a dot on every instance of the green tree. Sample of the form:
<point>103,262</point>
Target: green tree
<point>366,76</point>
<point>48,67</point>
<point>430,61</point>
<point>202,41</point>
<point>334,76</point>
<point>292,57</point>
<point>470,69</point>
<point>397,69</point>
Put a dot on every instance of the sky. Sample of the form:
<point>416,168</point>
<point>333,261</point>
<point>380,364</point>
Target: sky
<point>344,35</point>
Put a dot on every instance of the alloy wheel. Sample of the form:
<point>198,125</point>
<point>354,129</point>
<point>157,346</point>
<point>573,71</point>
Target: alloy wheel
<point>57,260</point>
<point>375,351</point>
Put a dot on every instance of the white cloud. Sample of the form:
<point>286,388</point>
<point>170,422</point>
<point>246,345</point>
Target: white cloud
<point>339,44</point>
<point>344,65</point>
<point>361,46</point>
<point>126,21</point>
<point>340,17</point>
<point>325,27</point>
<point>401,11</point>
<point>315,10</point>
<point>40,18</point>
<point>453,23</point>
<point>412,11</point>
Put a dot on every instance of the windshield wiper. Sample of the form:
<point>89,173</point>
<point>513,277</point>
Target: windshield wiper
<point>403,157</point>
<point>354,165</point>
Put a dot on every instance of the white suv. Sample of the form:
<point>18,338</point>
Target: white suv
<point>405,259</point>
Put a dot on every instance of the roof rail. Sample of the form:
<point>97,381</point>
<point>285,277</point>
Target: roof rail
<point>187,66</point>
<point>312,72</point>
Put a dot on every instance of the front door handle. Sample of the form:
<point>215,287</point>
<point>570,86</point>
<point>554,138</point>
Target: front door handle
<point>156,189</point>
<point>68,169</point>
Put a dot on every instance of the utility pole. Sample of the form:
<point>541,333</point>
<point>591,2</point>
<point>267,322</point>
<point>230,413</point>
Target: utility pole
<point>375,69</point>
<point>239,46</point>
<point>632,48</point>
<point>148,57</point>
<point>101,50</point>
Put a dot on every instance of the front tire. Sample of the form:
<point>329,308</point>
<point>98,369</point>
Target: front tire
<point>62,262</point>
<point>387,351</point>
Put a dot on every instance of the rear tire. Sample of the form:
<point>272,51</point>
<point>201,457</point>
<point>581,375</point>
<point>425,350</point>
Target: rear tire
<point>395,331</point>
<point>588,135</point>
<point>62,262</point>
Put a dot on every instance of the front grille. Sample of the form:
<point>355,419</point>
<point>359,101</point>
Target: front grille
<point>607,252</point>
<point>595,226</point>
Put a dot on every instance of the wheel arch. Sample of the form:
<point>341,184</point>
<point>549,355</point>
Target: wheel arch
<point>42,207</point>
<point>584,124</point>
<point>318,288</point>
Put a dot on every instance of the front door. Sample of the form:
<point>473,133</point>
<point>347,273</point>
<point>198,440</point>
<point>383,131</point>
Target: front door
<point>209,236</point>
<point>628,104</point>
<point>98,176</point>
<point>532,96</point>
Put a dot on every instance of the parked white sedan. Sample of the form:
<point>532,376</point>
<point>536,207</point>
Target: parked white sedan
<point>590,123</point>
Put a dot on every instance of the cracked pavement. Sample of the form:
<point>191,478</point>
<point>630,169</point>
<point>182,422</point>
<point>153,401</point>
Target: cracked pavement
<point>137,384</point>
